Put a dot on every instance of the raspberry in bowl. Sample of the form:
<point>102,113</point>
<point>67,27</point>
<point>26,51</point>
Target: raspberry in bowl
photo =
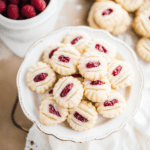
<point>22,22</point>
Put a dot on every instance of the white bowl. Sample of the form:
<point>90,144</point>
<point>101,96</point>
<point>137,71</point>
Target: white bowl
<point>19,35</point>
<point>30,101</point>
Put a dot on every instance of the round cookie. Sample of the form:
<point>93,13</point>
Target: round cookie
<point>77,39</point>
<point>120,74</point>
<point>109,16</point>
<point>103,48</point>
<point>113,106</point>
<point>65,60</point>
<point>141,23</point>
<point>92,66</point>
<point>97,91</point>
<point>51,113</point>
<point>143,48</point>
<point>47,95</point>
<point>130,5</point>
<point>40,77</point>
<point>49,52</point>
<point>83,116</point>
<point>68,92</point>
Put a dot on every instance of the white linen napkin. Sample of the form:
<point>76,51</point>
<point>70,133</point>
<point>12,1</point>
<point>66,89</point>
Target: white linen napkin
<point>134,136</point>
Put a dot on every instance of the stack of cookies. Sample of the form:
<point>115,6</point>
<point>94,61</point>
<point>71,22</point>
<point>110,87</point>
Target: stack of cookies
<point>78,79</point>
<point>114,18</point>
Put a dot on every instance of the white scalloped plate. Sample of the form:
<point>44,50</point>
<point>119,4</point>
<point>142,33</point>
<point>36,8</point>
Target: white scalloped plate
<point>30,101</point>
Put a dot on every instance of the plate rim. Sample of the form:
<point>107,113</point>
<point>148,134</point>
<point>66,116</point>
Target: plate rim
<point>93,30</point>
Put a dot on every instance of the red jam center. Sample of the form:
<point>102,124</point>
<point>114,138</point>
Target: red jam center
<point>110,103</point>
<point>149,17</point>
<point>92,64</point>
<point>40,77</point>
<point>117,70</point>
<point>107,12</point>
<point>50,91</point>
<point>52,52</point>
<point>97,82</point>
<point>53,110</point>
<point>74,41</point>
<point>66,90</point>
<point>77,75</point>
<point>64,59</point>
<point>80,117</point>
<point>101,48</point>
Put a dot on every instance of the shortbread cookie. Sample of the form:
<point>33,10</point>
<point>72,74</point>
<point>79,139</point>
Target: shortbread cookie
<point>120,74</point>
<point>141,23</point>
<point>65,60</point>
<point>113,106</point>
<point>83,116</point>
<point>51,113</point>
<point>47,95</point>
<point>103,48</point>
<point>130,5</point>
<point>77,39</point>
<point>49,52</point>
<point>40,77</point>
<point>92,66</point>
<point>109,16</point>
<point>98,90</point>
<point>68,92</point>
<point>143,48</point>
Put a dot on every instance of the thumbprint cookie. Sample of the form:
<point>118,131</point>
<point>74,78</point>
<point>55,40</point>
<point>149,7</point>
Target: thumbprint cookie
<point>83,116</point>
<point>109,16</point>
<point>51,113</point>
<point>65,60</point>
<point>77,39</point>
<point>103,48</point>
<point>113,106</point>
<point>92,66</point>
<point>68,92</point>
<point>40,77</point>
<point>120,74</point>
<point>98,90</point>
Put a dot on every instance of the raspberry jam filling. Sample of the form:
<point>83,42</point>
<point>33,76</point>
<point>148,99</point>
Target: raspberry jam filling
<point>52,52</point>
<point>92,64</point>
<point>110,103</point>
<point>52,110</point>
<point>64,59</point>
<point>80,117</point>
<point>50,91</point>
<point>101,48</point>
<point>74,41</point>
<point>149,17</point>
<point>117,70</point>
<point>40,77</point>
<point>66,90</point>
<point>97,82</point>
<point>77,75</point>
<point>107,12</point>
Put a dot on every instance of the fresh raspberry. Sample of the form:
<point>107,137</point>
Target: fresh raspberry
<point>2,6</point>
<point>13,11</point>
<point>39,4</point>
<point>16,2</point>
<point>28,11</point>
